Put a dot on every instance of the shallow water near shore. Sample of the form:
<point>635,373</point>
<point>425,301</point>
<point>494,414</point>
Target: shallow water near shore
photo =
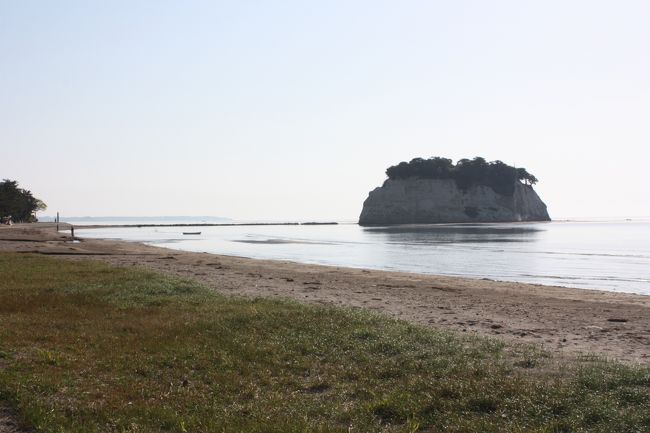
<point>606,255</point>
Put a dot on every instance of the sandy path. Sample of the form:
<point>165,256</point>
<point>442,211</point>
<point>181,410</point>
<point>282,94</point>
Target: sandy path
<point>562,320</point>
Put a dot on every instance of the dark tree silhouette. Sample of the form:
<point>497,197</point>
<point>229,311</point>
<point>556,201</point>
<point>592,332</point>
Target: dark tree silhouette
<point>526,177</point>
<point>498,175</point>
<point>18,203</point>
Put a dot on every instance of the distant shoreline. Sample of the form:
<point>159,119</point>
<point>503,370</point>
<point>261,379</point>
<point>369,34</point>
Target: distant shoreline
<point>441,249</point>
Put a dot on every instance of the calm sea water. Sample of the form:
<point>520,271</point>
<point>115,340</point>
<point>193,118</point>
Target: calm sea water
<point>607,255</point>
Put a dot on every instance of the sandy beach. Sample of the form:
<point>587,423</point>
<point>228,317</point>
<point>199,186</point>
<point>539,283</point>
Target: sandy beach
<point>562,320</point>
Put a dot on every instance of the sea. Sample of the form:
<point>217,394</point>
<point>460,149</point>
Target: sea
<point>604,254</point>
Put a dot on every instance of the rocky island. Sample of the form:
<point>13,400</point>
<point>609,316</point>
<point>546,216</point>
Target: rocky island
<point>435,190</point>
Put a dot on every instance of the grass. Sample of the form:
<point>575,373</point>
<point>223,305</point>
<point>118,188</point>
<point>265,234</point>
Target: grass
<point>85,347</point>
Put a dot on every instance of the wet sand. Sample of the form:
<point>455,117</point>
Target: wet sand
<point>562,320</point>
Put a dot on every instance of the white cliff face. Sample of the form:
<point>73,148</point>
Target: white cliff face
<point>422,201</point>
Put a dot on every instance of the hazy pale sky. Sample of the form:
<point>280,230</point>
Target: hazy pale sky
<point>294,109</point>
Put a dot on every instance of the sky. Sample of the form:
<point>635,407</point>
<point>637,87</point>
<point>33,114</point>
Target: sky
<point>292,110</point>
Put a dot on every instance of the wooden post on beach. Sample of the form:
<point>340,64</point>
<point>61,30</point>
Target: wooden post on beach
<point>72,231</point>
<point>57,221</point>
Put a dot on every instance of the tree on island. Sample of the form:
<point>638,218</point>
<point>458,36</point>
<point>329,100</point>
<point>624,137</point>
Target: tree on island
<point>526,177</point>
<point>18,203</point>
<point>498,175</point>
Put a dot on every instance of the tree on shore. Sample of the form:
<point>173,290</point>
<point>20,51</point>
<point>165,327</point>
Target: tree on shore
<point>18,203</point>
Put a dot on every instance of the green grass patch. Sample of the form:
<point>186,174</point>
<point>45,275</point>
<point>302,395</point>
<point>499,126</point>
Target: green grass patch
<point>85,347</point>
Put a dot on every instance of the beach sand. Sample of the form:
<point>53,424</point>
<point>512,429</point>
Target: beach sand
<point>562,320</point>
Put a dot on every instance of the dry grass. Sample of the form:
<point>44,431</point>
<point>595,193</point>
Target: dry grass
<point>85,347</point>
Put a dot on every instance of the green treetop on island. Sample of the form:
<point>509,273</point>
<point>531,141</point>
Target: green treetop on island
<point>498,175</point>
<point>17,203</point>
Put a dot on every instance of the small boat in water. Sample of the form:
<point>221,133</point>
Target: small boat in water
<point>191,233</point>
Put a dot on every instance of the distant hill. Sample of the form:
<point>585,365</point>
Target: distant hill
<point>138,219</point>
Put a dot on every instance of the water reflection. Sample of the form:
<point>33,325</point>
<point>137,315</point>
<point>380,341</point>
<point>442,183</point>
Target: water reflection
<point>460,233</point>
